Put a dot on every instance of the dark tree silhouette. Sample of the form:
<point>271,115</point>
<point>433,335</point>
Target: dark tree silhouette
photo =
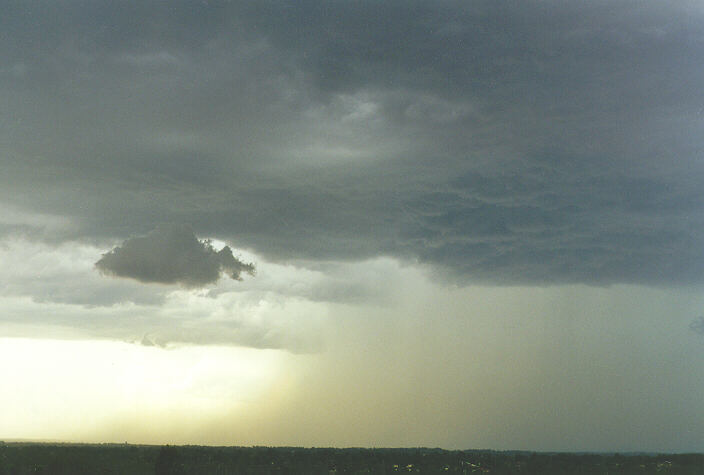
<point>167,461</point>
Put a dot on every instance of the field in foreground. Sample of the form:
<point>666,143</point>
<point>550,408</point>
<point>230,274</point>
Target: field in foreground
<point>77,459</point>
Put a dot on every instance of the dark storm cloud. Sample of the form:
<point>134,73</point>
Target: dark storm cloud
<point>172,254</point>
<point>506,142</point>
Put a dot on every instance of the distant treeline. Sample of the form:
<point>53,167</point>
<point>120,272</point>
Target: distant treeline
<point>70,459</point>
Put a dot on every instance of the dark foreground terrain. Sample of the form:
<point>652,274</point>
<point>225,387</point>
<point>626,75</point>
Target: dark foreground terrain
<point>30,458</point>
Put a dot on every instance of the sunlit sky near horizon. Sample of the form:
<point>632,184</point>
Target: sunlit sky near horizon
<point>458,224</point>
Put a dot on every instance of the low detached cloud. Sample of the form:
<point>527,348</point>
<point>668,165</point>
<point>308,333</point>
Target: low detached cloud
<point>172,254</point>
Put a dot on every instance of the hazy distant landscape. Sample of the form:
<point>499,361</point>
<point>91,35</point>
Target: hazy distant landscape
<point>69,459</point>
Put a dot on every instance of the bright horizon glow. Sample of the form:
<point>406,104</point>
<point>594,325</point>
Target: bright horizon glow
<point>72,390</point>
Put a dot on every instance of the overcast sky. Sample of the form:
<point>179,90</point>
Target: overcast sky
<point>467,224</point>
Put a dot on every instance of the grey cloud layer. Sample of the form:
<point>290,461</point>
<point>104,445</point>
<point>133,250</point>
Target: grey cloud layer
<point>506,142</point>
<point>697,325</point>
<point>171,254</point>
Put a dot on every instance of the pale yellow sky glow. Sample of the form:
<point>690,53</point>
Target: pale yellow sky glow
<point>78,390</point>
